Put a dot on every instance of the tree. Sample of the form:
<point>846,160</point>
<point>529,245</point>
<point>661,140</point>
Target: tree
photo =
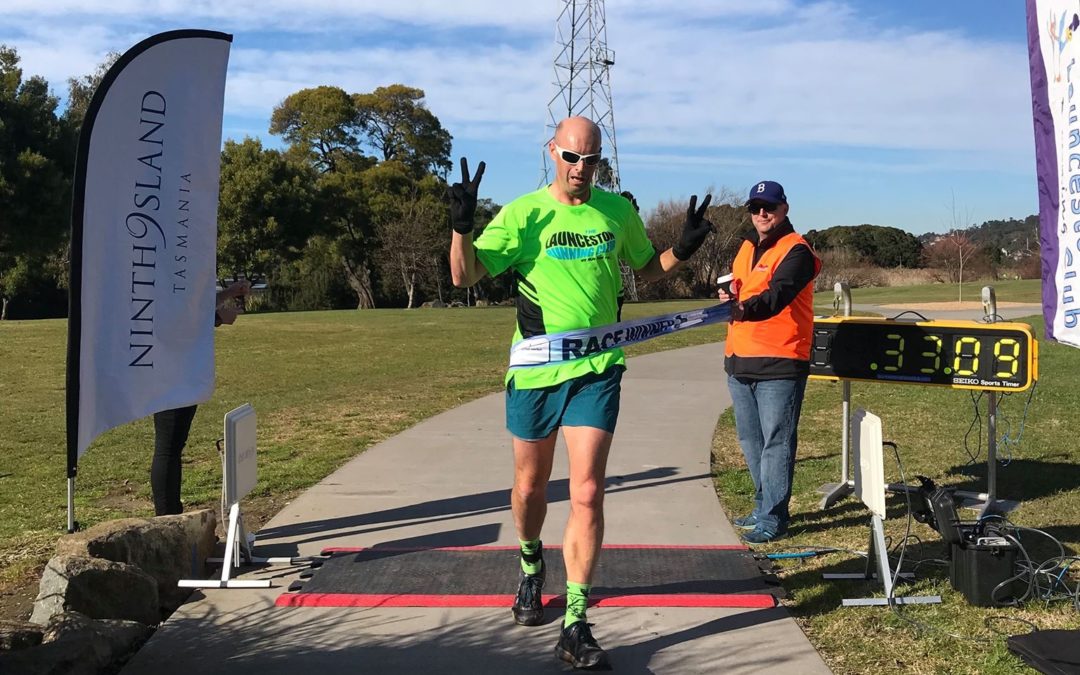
<point>313,281</point>
<point>731,224</point>
<point>698,277</point>
<point>321,122</point>
<point>950,253</point>
<point>412,229</point>
<point>957,245</point>
<point>605,175</point>
<point>351,230</point>
<point>267,209</point>
<point>395,122</point>
<point>34,185</point>
<point>329,128</point>
<point>488,289</point>
<point>879,245</point>
<point>81,92</point>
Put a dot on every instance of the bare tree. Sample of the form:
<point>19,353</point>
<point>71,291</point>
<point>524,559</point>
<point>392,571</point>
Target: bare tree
<point>730,221</point>
<point>949,253</point>
<point>957,244</point>
<point>413,225</point>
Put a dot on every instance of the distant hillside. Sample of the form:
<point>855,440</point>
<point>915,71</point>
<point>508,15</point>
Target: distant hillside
<point>1001,239</point>
<point>880,245</point>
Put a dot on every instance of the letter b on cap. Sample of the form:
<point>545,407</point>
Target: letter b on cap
<point>760,187</point>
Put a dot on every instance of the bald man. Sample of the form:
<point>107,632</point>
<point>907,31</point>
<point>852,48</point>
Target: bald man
<point>563,244</point>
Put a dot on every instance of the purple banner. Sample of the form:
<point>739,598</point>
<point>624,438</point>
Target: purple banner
<point>1053,48</point>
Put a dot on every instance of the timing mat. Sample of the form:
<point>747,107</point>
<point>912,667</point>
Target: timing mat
<point>487,576</point>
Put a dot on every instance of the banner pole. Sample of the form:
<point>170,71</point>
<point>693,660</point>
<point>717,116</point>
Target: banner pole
<point>71,504</point>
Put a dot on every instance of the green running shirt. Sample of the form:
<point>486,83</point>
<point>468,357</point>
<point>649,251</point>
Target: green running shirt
<point>565,260</point>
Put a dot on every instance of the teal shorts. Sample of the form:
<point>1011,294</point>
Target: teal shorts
<point>588,401</point>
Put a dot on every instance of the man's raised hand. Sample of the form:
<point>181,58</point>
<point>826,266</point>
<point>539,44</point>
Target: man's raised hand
<point>695,229</point>
<point>463,198</point>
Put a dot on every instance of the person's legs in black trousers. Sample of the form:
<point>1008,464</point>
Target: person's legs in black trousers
<point>171,429</point>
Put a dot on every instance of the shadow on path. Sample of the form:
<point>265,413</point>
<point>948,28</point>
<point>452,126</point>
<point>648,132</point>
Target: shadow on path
<point>438,510</point>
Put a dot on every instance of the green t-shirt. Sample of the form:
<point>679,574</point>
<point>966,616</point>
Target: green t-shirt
<point>566,263</point>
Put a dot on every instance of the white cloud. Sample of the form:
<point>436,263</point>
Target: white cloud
<point>335,15</point>
<point>698,74</point>
<point>468,92</point>
<point>816,84</point>
<point>287,15</point>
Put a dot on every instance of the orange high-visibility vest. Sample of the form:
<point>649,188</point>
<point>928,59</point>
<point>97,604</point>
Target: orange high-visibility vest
<point>787,335</point>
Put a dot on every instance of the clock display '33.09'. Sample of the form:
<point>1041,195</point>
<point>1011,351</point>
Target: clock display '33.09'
<point>962,354</point>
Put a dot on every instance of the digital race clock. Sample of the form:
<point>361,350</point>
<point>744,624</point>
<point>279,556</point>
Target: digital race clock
<point>960,354</point>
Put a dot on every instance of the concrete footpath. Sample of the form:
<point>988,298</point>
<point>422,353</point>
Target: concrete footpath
<point>445,482</point>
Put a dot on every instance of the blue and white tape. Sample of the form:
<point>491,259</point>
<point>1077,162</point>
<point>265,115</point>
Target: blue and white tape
<point>542,350</point>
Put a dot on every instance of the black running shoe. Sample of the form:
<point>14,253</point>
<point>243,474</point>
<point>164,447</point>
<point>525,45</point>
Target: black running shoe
<point>578,647</point>
<point>529,605</point>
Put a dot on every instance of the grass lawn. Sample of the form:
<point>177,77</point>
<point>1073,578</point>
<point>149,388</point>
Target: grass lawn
<point>1023,290</point>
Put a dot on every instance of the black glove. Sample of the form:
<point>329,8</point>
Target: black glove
<point>695,229</point>
<point>463,199</point>
<point>630,197</point>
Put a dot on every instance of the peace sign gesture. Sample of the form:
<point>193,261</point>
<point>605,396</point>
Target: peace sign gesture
<point>695,229</point>
<point>463,198</point>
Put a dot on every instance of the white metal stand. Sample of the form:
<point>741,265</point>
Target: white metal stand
<point>235,542</point>
<point>987,502</point>
<point>870,487</point>
<point>879,554</point>
<point>834,492</point>
<point>239,470</point>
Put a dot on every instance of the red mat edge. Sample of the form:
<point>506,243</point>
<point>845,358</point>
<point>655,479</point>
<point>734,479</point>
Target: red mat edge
<point>747,600</point>
<point>692,547</point>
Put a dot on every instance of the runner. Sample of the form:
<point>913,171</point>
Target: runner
<point>563,244</point>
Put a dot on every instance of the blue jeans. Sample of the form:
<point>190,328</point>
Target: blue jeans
<point>767,422</point>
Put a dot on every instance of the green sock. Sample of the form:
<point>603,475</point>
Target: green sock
<point>531,562</point>
<point>577,601</point>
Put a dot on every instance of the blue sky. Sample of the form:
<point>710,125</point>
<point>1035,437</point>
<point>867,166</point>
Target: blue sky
<point>911,114</point>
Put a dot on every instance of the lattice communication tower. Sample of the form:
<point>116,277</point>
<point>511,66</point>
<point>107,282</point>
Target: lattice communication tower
<point>583,87</point>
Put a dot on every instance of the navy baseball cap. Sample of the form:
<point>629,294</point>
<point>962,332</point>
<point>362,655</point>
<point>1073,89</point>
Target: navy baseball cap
<point>767,191</point>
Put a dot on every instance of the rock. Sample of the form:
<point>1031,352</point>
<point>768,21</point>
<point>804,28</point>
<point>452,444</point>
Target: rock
<point>119,636</point>
<point>168,548</point>
<point>101,589</point>
<point>19,635</point>
<point>77,645</point>
<point>71,657</point>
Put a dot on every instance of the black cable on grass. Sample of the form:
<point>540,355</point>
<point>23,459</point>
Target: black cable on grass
<point>1051,572</point>
<point>1006,440</point>
<point>907,532</point>
<point>1015,619</point>
<point>895,606</point>
<point>976,426</point>
<point>1043,582</point>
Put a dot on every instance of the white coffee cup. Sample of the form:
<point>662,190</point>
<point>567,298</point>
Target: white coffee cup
<point>724,282</point>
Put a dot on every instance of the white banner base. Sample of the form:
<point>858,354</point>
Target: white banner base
<point>239,470</point>
<point>235,541</point>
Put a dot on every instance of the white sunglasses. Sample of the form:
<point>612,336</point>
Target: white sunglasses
<point>571,157</point>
